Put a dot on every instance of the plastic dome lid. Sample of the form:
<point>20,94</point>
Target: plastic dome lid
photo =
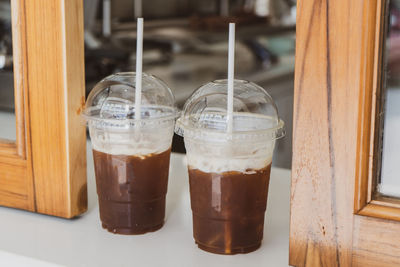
<point>111,103</point>
<point>255,114</point>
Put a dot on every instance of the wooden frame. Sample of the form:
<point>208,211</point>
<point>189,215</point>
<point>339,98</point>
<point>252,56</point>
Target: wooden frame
<point>337,84</point>
<point>45,169</point>
<point>367,200</point>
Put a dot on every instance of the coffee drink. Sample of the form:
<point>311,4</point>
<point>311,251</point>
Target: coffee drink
<point>131,191</point>
<point>228,209</point>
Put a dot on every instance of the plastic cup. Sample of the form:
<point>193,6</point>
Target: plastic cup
<point>131,157</point>
<point>229,171</point>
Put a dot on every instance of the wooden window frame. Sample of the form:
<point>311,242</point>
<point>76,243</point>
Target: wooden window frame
<point>337,219</point>
<point>368,201</point>
<point>44,170</point>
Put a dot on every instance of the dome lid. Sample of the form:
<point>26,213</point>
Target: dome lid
<point>112,100</point>
<point>255,114</point>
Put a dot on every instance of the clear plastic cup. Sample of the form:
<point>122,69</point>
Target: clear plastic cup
<point>131,157</point>
<point>229,172</point>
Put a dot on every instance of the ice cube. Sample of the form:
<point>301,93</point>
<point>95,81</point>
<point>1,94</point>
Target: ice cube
<point>117,108</point>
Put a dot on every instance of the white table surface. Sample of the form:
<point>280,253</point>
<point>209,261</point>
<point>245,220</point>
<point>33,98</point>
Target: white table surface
<point>28,239</point>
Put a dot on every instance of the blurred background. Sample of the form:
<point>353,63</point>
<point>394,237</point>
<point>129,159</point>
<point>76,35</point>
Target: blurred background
<point>185,44</point>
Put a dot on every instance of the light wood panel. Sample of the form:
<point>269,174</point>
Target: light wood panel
<point>327,84</point>
<point>20,74</point>
<point>335,150</point>
<point>8,147</point>
<point>367,200</point>
<point>15,191</point>
<point>56,93</point>
<point>16,178</point>
<point>44,170</point>
<point>376,242</point>
<point>75,78</point>
<point>370,63</point>
<point>380,211</point>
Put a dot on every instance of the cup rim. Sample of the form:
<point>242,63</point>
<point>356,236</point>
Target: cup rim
<point>173,114</point>
<point>187,131</point>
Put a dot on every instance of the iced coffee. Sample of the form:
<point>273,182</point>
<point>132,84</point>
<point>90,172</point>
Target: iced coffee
<point>229,172</point>
<point>131,157</point>
<point>131,191</point>
<point>233,212</point>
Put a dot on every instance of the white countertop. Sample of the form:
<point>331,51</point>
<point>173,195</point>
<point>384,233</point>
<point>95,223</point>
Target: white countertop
<point>28,239</point>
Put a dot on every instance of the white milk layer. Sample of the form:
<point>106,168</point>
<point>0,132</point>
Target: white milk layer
<point>241,157</point>
<point>219,165</point>
<point>148,141</point>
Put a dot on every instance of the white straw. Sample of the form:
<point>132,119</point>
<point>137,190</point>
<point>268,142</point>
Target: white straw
<point>231,70</point>
<point>106,18</point>
<point>139,57</point>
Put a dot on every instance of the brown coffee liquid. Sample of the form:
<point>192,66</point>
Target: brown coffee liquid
<point>131,191</point>
<point>228,209</point>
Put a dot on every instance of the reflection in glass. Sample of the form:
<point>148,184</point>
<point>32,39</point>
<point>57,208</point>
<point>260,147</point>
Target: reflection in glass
<point>390,174</point>
<point>7,112</point>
